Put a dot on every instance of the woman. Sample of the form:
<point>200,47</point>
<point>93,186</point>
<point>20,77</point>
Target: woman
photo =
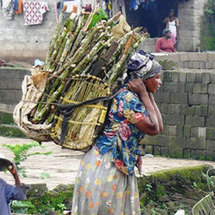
<point>172,24</point>
<point>106,183</point>
<point>165,44</point>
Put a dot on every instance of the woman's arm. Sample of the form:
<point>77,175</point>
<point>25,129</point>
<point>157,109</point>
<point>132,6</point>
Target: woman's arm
<point>148,125</point>
<point>157,111</point>
<point>158,45</point>
<point>13,170</point>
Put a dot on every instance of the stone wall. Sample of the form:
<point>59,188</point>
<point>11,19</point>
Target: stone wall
<point>187,103</point>
<point>10,87</point>
<point>187,60</point>
<point>25,43</point>
<point>186,100</point>
<point>190,15</point>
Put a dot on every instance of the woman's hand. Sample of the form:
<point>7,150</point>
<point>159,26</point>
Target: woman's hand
<point>149,125</point>
<point>137,86</point>
<point>12,169</point>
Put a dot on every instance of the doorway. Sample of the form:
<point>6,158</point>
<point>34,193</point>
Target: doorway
<point>149,14</point>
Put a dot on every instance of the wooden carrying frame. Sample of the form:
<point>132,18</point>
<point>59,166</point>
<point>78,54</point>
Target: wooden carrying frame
<point>78,121</point>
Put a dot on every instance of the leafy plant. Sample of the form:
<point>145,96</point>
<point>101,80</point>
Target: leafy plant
<point>22,206</point>
<point>21,153</point>
<point>44,175</point>
<point>61,207</point>
<point>208,27</point>
<point>210,9</point>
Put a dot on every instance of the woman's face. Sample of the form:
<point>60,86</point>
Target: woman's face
<point>168,35</point>
<point>154,83</point>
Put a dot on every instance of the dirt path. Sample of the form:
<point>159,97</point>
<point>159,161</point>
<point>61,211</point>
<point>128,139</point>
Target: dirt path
<point>62,165</point>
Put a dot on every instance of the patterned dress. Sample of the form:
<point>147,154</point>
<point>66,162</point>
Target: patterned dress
<point>106,183</point>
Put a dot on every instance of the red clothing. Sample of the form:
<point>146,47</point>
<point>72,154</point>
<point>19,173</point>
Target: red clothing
<point>164,45</point>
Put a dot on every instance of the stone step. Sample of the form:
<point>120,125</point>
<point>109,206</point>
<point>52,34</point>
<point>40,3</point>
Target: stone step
<point>8,128</point>
<point>189,60</point>
<point>6,118</point>
<point>10,131</point>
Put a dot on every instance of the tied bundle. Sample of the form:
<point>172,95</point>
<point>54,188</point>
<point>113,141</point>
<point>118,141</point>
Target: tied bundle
<point>85,61</point>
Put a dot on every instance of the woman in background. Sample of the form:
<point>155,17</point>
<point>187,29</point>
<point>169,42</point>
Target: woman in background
<point>165,44</point>
<point>172,24</point>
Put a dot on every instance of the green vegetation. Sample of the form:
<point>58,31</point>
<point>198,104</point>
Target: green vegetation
<point>8,127</point>
<point>208,29</point>
<point>167,191</point>
<point>48,202</point>
<point>161,193</point>
<point>21,153</point>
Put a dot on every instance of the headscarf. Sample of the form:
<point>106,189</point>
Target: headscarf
<point>142,65</point>
<point>165,31</point>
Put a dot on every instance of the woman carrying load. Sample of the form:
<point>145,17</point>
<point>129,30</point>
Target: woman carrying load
<point>106,183</point>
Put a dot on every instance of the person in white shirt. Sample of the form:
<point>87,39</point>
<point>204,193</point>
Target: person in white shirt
<point>172,24</point>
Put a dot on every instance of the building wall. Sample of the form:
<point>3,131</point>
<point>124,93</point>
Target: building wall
<point>190,15</point>
<point>21,42</point>
<point>187,103</point>
<point>10,87</point>
<point>26,43</point>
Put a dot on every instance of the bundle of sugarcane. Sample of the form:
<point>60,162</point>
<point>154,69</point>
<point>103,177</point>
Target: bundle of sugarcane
<point>93,52</point>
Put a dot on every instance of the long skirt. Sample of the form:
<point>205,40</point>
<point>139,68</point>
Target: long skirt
<point>101,189</point>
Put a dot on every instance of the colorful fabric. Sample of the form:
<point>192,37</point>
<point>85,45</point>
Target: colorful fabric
<point>141,65</point>
<point>18,4</point>
<point>33,12</point>
<point>101,189</point>
<point>120,134</point>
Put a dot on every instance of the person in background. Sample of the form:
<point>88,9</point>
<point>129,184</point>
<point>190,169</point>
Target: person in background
<point>172,24</point>
<point>10,192</point>
<point>106,183</point>
<point>165,44</point>
<point>145,32</point>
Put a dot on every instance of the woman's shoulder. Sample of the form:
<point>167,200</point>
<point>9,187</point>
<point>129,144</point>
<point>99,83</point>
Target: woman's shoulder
<point>126,95</point>
<point>125,91</point>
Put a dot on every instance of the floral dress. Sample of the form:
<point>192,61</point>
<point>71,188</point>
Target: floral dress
<point>106,183</point>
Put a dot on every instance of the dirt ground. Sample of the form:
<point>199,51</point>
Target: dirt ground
<point>62,165</point>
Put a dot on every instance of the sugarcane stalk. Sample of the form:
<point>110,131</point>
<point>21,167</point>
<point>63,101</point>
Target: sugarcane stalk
<point>46,108</point>
<point>113,19</point>
<point>70,57</point>
<point>76,58</point>
<point>39,116</point>
<point>69,41</point>
<point>97,48</point>
<point>82,49</point>
<point>56,34</point>
<point>132,48</point>
<point>118,66</point>
<point>79,35</point>
<point>48,92</point>
<point>122,43</point>
<point>58,47</point>
<point>89,65</point>
<point>85,28</point>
